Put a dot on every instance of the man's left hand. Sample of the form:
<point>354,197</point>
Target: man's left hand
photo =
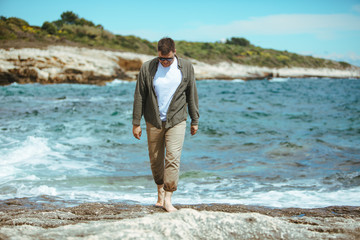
<point>194,129</point>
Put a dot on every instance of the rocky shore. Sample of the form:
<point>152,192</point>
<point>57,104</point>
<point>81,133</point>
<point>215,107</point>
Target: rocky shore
<point>65,64</point>
<point>30,219</point>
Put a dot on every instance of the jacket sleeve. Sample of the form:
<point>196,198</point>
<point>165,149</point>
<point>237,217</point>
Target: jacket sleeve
<point>193,99</point>
<point>139,98</point>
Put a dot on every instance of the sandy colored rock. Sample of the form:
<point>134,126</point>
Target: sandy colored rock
<point>65,64</point>
<point>31,219</point>
<point>193,224</point>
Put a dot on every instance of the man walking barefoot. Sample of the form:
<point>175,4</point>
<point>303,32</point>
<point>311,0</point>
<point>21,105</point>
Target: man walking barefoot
<point>165,92</point>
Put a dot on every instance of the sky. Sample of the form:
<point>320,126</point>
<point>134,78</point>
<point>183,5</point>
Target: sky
<point>321,28</point>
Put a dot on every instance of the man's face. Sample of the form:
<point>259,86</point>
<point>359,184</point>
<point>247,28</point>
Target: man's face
<point>170,58</point>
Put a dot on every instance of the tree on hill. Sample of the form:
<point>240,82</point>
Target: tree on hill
<point>238,41</point>
<point>49,27</point>
<point>69,17</point>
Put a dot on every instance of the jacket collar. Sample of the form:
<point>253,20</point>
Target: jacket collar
<point>155,63</point>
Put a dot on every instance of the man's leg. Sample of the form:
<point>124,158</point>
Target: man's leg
<point>174,140</point>
<point>156,146</point>
<point>161,196</point>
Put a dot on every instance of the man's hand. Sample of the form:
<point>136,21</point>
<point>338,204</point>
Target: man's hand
<point>194,129</point>
<point>137,131</point>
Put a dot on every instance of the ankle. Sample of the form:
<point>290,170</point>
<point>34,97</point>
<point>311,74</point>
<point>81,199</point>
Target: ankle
<point>168,196</point>
<point>167,202</point>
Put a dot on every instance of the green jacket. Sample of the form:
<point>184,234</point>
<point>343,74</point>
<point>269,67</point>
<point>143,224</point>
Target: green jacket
<point>185,96</point>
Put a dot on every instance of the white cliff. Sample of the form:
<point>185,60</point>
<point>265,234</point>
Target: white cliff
<point>59,64</point>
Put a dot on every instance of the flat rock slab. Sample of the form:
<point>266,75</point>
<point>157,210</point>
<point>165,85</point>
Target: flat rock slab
<point>29,219</point>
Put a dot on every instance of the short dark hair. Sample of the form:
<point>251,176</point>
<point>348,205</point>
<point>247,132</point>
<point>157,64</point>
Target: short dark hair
<point>166,45</point>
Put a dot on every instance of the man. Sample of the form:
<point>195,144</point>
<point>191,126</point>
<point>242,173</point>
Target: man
<point>165,91</point>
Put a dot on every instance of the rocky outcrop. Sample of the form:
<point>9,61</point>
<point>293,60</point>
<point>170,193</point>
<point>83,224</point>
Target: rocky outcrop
<point>59,64</point>
<point>67,65</point>
<point>43,220</point>
<point>226,70</point>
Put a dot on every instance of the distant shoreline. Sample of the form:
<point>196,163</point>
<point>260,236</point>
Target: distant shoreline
<point>199,80</point>
<point>64,64</point>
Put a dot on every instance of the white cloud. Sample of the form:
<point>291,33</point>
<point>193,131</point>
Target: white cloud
<point>350,57</point>
<point>356,8</point>
<point>321,25</point>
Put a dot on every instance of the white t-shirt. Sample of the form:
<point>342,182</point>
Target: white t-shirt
<point>166,81</point>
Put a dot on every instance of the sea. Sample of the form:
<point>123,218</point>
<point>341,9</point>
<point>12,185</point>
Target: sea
<point>277,143</point>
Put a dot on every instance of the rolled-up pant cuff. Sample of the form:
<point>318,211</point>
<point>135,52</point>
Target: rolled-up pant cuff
<point>170,189</point>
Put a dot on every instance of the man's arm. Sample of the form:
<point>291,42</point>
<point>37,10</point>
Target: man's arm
<point>193,102</point>
<point>139,101</point>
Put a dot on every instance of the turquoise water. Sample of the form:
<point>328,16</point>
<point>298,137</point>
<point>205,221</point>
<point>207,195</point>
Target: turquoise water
<point>280,143</point>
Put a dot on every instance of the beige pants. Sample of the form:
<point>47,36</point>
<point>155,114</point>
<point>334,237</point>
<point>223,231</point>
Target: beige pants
<point>172,140</point>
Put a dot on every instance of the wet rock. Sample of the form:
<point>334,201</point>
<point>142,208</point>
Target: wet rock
<point>94,221</point>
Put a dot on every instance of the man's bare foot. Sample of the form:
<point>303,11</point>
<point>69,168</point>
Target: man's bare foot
<point>168,205</point>
<point>161,195</point>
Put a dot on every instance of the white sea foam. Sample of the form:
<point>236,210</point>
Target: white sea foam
<point>30,178</point>
<point>36,151</point>
<point>238,80</point>
<point>32,151</point>
<point>188,193</point>
<point>30,161</point>
<point>97,99</point>
<point>117,82</point>
<point>31,191</point>
<point>257,194</point>
<point>279,199</point>
<point>61,147</point>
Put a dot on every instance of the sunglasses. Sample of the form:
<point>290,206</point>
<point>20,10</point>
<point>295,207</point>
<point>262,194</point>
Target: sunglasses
<point>165,59</point>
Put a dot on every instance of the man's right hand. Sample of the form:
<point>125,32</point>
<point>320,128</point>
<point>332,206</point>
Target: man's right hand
<point>137,131</point>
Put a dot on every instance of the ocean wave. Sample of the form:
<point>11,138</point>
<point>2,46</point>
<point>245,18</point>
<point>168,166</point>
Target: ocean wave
<point>117,82</point>
<point>36,191</point>
<point>194,189</point>
<point>279,79</point>
<point>280,199</point>
<point>31,152</point>
<point>238,80</point>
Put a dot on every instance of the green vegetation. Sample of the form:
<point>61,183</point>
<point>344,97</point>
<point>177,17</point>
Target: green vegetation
<point>70,29</point>
<point>238,41</point>
<point>245,53</point>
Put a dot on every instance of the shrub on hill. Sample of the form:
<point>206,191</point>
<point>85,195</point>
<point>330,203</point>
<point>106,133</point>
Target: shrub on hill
<point>49,27</point>
<point>238,41</point>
